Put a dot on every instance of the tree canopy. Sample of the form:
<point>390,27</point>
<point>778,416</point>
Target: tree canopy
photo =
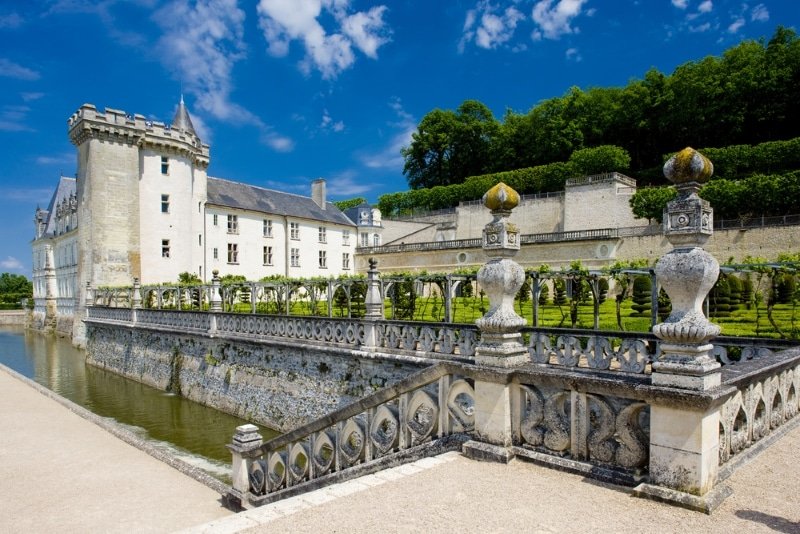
<point>746,96</point>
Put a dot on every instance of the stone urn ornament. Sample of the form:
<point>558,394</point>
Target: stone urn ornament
<point>687,273</point>
<point>501,277</point>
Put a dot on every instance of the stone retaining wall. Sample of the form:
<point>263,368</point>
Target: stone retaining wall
<point>12,317</point>
<point>278,385</point>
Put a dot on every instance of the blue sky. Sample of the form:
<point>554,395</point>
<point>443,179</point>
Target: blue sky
<point>287,91</point>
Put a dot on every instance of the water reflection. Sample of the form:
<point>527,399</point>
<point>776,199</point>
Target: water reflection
<point>196,433</point>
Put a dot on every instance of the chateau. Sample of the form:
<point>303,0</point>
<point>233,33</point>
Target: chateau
<point>142,206</point>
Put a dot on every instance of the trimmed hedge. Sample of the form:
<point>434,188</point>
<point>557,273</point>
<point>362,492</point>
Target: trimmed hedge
<point>532,180</point>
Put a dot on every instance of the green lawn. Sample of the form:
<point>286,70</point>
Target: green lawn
<point>742,322</point>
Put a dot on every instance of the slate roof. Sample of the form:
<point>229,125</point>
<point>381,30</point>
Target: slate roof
<point>66,187</point>
<point>228,194</point>
<point>182,121</point>
<point>352,213</point>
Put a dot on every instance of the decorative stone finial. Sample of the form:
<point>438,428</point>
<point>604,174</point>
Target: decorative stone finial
<point>501,198</point>
<point>688,220</point>
<point>688,165</point>
<point>501,277</point>
<point>687,274</point>
<point>373,264</point>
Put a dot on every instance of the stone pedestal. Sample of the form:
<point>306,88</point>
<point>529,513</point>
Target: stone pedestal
<point>684,443</point>
<point>215,299</point>
<point>492,423</point>
<point>373,302</point>
<point>245,447</point>
<point>501,277</point>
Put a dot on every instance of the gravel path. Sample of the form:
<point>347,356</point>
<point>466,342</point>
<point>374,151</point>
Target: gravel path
<point>62,473</point>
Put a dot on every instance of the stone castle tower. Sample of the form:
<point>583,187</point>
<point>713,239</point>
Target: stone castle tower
<point>141,190</point>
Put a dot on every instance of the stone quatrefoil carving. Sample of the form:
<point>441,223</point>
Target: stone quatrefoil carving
<point>617,428</point>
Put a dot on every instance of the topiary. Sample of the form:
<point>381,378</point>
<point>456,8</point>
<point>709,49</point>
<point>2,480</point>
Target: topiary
<point>642,300</point>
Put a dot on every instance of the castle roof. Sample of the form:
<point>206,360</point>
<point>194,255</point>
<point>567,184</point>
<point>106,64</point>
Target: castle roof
<point>229,194</point>
<point>182,122</point>
<point>66,188</point>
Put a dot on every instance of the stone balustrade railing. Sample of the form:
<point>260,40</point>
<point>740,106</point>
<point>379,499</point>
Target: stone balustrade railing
<point>623,352</point>
<point>593,423</point>
<point>419,416</point>
<point>429,340</point>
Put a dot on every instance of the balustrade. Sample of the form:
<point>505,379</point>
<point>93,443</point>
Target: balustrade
<point>400,421</point>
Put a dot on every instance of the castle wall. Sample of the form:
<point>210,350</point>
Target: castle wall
<point>598,202</point>
<point>532,216</point>
<point>178,225</point>
<point>767,242</point>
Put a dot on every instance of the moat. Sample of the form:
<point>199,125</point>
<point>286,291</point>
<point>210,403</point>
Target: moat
<point>195,433</point>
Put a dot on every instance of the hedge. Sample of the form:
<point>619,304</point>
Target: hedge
<point>531,180</point>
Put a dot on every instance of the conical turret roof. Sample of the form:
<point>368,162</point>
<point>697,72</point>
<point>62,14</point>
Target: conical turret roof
<point>182,121</point>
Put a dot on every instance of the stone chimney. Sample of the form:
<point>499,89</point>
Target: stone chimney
<point>318,193</point>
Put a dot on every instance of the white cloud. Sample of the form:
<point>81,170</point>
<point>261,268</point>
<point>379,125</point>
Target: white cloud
<point>555,20</point>
<point>700,28</point>
<point>11,21</point>
<point>12,264</point>
<point>67,158</point>
<point>759,13</point>
<point>276,141</point>
<point>328,123</point>
<point>284,21</point>
<point>736,25</point>
<point>390,157</point>
<point>31,96</point>
<point>347,184</point>
<point>27,196</point>
<point>12,119</point>
<point>201,44</point>
<point>574,55</point>
<point>495,26</point>
<point>705,7</point>
<point>680,4</point>
<point>9,69</point>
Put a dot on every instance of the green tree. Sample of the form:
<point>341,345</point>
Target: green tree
<point>649,203</point>
<point>641,296</point>
<point>14,288</point>
<point>349,203</point>
<point>601,159</point>
<point>449,146</point>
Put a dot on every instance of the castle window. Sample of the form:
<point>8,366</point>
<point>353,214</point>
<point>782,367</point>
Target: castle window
<point>233,253</point>
<point>364,239</point>
<point>164,165</point>
<point>233,224</point>
<point>294,230</point>
<point>216,253</point>
<point>165,248</point>
<point>346,238</point>
<point>323,235</point>
<point>376,240</point>
<point>346,260</point>
<point>164,203</point>
<point>267,228</point>
<point>267,255</point>
<point>323,259</point>
<point>200,240</point>
<point>216,220</point>
<point>295,257</point>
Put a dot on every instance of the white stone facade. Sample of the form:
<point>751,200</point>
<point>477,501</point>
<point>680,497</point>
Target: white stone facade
<point>148,210</point>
